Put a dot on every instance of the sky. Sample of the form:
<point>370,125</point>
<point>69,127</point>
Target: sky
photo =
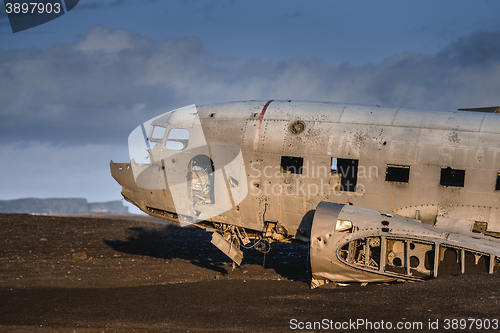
<point>71,90</point>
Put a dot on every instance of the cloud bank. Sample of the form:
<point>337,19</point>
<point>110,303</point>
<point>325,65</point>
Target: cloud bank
<point>99,88</point>
<point>65,112</point>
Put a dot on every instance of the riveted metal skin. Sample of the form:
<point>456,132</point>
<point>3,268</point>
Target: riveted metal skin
<point>380,248</point>
<point>245,184</point>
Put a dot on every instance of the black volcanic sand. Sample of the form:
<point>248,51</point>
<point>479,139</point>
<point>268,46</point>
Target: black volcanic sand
<point>75,274</point>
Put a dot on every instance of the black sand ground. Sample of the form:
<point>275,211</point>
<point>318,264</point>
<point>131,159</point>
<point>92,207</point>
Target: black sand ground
<point>75,274</point>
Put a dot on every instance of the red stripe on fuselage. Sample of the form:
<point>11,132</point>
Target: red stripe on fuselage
<point>259,125</point>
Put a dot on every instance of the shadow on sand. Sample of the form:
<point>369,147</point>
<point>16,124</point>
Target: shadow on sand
<point>190,243</point>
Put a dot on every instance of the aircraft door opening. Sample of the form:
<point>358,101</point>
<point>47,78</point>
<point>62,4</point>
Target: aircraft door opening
<point>201,180</point>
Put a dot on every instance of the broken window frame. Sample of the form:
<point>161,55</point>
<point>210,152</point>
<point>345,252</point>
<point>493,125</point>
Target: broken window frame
<point>178,140</point>
<point>417,259</point>
<point>154,135</point>
<point>452,177</point>
<point>397,173</point>
<point>380,256</point>
<point>347,170</point>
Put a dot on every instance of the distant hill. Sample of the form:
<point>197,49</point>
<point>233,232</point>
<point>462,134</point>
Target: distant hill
<point>60,206</point>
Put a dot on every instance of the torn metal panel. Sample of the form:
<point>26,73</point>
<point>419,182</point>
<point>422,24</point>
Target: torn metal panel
<point>266,165</point>
<point>353,244</point>
<point>122,173</point>
<point>230,249</point>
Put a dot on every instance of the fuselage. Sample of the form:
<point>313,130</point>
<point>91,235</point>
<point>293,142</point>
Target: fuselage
<point>439,167</point>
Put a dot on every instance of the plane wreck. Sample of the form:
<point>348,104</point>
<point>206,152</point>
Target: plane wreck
<point>365,245</point>
<point>380,194</point>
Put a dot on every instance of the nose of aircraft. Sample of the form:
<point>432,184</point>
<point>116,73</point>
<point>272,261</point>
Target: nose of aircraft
<point>172,164</point>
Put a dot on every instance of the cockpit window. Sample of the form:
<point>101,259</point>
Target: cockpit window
<point>177,139</point>
<point>157,134</point>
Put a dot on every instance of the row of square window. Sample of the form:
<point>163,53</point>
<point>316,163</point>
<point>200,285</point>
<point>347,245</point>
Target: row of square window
<point>401,174</point>
<point>348,168</point>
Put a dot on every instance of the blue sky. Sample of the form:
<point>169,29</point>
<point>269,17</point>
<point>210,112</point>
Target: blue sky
<point>338,31</point>
<point>73,89</point>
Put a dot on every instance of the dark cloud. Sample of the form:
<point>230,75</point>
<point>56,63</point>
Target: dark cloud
<point>99,88</point>
<point>463,74</point>
<point>477,49</point>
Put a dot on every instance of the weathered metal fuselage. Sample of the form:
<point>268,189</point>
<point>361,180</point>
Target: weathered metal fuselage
<point>366,245</point>
<point>440,168</point>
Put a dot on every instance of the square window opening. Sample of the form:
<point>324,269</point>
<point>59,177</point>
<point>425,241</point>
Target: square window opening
<point>452,177</point>
<point>397,173</point>
<point>292,164</point>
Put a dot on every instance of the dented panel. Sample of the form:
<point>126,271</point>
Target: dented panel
<point>222,165</point>
<point>353,244</point>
